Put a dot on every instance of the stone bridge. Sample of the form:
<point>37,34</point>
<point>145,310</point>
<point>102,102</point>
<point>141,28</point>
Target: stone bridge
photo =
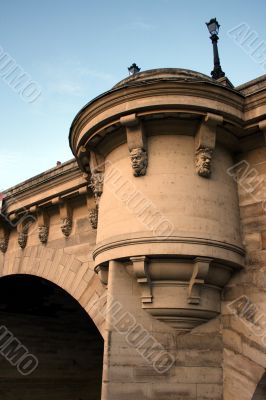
<point>152,240</point>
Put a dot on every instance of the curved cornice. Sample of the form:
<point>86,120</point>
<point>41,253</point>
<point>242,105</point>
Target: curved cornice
<point>242,107</point>
<point>156,90</point>
<point>102,249</point>
<point>167,93</point>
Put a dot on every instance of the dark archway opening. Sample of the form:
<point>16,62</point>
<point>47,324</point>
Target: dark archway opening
<point>260,393</point>
<point>56,330</point>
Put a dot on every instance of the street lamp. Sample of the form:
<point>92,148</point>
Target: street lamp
<point>133,69</point>
<point>213,27</point>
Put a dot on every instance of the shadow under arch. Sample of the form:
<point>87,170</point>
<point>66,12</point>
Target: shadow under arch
<point>53,327</point>
<point>260,392</point>
<point>64,269</point>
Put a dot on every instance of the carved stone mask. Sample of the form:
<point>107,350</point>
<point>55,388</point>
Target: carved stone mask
<point>139,161</point>
<point>93,217</point>
<point>4,243</point>
<point>97,183</point>
<point>22,239</point>
<point>66,226</point>
<point>203,162</point>
<point>43,233</point>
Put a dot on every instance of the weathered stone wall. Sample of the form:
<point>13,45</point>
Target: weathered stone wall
<point>244,335</point>
<point>197,369</point>
<point>170,174</point>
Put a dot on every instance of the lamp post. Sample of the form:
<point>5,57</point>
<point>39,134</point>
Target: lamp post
<point>213,27</point>
<point>133,69</point>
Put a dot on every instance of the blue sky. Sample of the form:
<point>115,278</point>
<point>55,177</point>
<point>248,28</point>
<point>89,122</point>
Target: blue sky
<point>75,50</point>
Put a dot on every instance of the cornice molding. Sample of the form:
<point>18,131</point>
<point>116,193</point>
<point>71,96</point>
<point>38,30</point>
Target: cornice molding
<point>66,181</point>
<point>189,95</point>
<point>103,247</point>
<point>56,174</point>
<point>53,199</point>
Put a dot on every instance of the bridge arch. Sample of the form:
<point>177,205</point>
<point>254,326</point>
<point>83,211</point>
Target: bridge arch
<point>73,274</point>
<point>49,346</point>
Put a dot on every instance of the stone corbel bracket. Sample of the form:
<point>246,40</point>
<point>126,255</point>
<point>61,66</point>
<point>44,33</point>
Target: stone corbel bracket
<point>43,225</point>
<point>4,238</point>
<point>93,217</point>
<point>102,271</point>
<point>197,281</point>
<point>66,215</point>
<point>84,160</point>
<point>97,168</point>
<point>141,272</point>
<point>137,143</point>
<point>23,224</point>
<point>205,140</point>
<point>262,127</point>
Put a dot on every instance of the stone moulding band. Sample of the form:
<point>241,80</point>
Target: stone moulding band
<point>111,104</point>
<point>172,239</point>
<point>69,167</point>
<point>93,130</point>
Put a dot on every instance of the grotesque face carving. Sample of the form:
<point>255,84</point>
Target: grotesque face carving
<point>97,183</point>
<point>203,162</point>
<point>93,217</point>
<point>4,239</point>
<point>22,239</point>
<point>139,161</point>
<point>43,233</point>
<point>4,244</point>
<point>66,226</point>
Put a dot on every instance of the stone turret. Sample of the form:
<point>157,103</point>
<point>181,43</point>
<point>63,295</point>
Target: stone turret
<point>164,141</point>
